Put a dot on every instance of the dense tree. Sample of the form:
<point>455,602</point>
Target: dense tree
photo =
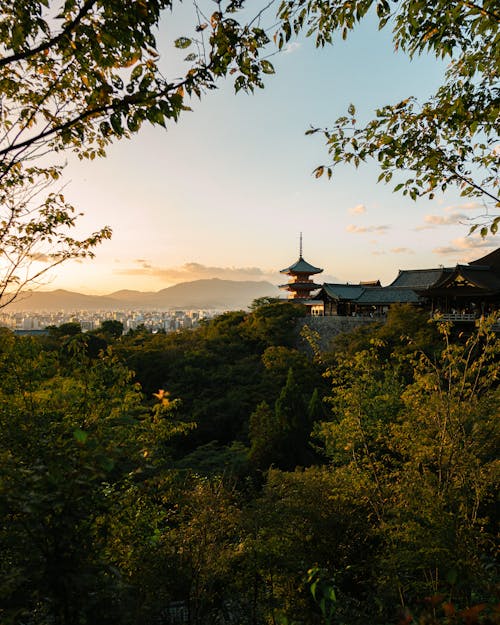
<point>421,453</point>
<point>65,330</point>
<point>111,514</point>
<point>70,434</point>
<point>449,140</point>
<point>292,417</point>
<point>266,437</point>
<point>405,330</point>
<point>304,519</point>
<point>111,328</point>
<point>195,366</point>
<point>274,323</point>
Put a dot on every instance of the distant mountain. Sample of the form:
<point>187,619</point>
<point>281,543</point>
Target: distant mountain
<point>126,295</point>
<point>205,294</point>
<point>59,300</point>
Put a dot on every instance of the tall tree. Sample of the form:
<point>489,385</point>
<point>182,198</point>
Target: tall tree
<point>265,434</point>
<point>292,418</point>
<point>422,454</point>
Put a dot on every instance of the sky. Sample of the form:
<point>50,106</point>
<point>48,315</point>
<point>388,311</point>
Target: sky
<point>226,191</point>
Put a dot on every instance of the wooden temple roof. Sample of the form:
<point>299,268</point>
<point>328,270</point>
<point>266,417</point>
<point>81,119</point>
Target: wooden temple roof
<point>340,292</point>
<point>388,295</point>
<point>491,260</point>
<point>368,295</point>
<point>419,278</point>
<point>478,277</point>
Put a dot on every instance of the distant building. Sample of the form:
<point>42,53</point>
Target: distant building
<point>460,293</point>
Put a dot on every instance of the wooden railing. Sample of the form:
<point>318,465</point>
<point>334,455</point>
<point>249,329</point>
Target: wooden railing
<point>457,316</point>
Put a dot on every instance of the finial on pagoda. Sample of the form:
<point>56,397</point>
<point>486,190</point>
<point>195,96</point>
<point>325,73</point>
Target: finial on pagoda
<point>300,246</point>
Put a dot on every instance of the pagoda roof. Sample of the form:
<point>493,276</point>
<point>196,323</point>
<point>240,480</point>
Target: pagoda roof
<point>298,286</point>
<point>301,266</point>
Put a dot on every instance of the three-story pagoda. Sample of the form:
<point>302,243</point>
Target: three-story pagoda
<point>300,285</point>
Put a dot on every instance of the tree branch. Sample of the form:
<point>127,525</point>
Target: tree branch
<point>475,186</point>
<point>481,10</point>
<point>51,42</point>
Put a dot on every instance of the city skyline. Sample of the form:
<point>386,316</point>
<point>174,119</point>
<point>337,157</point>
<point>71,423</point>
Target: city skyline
<point>226,191</point>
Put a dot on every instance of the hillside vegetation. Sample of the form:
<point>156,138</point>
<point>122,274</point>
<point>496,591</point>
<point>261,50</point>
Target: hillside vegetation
<point>221,476</point>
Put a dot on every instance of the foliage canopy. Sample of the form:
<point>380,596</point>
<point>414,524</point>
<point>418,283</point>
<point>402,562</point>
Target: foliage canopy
<point>449,140</point>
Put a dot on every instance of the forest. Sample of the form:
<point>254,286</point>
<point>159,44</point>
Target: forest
<point>227,475</point>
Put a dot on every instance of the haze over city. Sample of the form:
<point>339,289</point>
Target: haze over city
<point>225,191</point>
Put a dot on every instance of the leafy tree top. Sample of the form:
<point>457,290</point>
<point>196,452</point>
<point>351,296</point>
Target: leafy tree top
<point>449,140</point>
<point>78,73</point>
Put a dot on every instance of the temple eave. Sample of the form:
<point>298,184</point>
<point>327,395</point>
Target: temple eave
<point>300,286</point>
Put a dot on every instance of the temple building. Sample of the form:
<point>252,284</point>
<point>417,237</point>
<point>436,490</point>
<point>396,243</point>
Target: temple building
<point>471,290</point>
<point>460,293</point>
<point>300,285</point>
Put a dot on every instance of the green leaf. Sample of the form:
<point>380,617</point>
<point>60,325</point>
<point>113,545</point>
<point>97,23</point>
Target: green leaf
<point>116,123</point>
<point>182,43</point>
<point>137,72</point>
<point>80,435</point>
<point>267,67</point>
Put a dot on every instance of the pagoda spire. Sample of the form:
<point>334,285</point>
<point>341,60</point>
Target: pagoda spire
<point>300,246</point>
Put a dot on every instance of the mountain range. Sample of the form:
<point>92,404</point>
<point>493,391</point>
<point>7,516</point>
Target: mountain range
<point>208,294</point>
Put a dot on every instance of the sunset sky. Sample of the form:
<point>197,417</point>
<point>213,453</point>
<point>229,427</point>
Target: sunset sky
<point>226,191</point>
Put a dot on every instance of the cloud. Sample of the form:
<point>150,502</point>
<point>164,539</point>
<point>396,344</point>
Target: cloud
<point>466,248</point>
<point>466,206</point>
<point>363,229</point>
<point>402,250</point>
<point>445,220</point>
<point>39,257</point>
<point>145,264</point>
<point>327,277</point>
<point>433,221</point>
<point>359,209</point>
<point>195,271</point>
<point>291,47</point>
<point>378,253</point>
